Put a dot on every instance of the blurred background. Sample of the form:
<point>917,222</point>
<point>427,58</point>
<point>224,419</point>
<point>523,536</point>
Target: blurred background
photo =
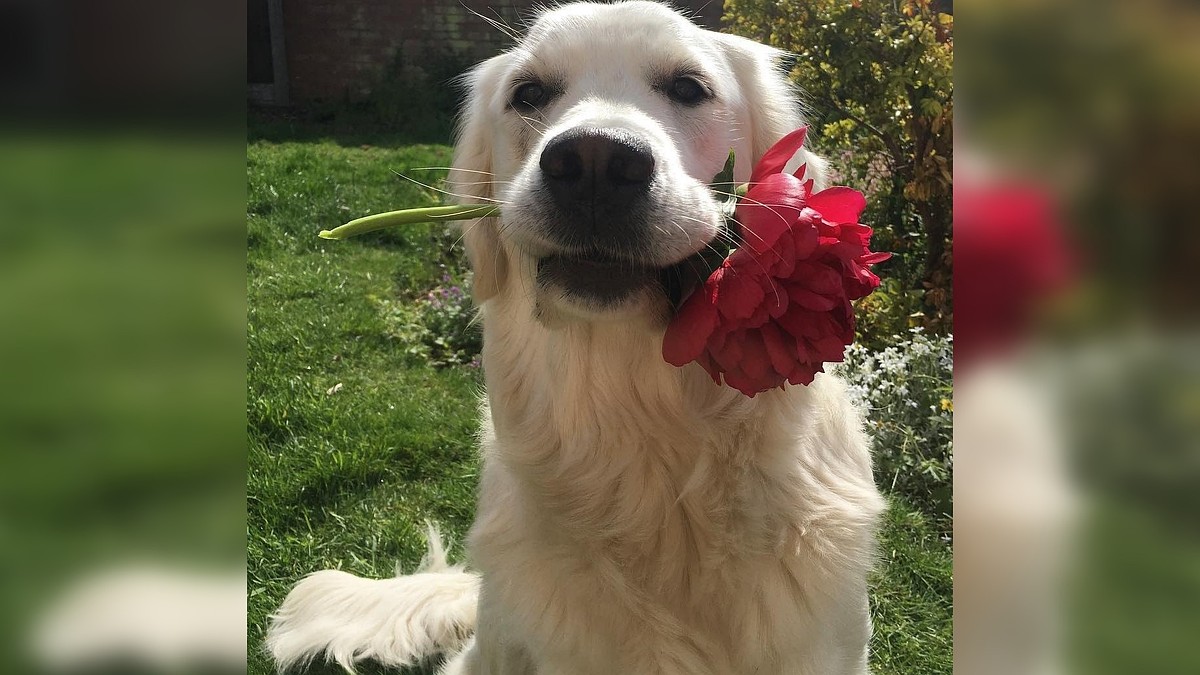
<point>1076,375</point>
<point>122,307</point>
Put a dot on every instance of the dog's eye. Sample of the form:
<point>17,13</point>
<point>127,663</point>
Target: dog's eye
<point>530,95</point>
<point>687,90</point>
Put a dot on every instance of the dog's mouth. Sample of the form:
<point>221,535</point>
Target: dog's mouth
<point>596,279</point>
<point>602,280</point>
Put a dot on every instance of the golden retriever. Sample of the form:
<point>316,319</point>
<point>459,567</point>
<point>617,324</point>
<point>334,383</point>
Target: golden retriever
<point>633,517</point>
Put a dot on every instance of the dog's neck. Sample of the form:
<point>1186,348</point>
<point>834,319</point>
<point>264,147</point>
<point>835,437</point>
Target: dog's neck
<point>615,442</point>
<point>578,379</point>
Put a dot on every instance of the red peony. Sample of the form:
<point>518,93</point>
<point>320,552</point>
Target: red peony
<point>779,307</point>
<point>1012,256</point>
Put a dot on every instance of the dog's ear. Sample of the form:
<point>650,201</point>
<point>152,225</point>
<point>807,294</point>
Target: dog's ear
<point>771,106</point>
<point>472,178</point>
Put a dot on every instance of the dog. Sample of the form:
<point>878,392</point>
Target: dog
<point>633,517</point>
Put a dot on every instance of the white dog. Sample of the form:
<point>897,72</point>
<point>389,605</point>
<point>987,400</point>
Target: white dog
<point>633,517</point>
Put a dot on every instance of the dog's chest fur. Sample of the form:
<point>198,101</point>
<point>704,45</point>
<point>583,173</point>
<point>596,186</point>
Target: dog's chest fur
<point>679,520</point>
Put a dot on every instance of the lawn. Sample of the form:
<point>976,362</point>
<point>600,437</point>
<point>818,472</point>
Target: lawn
<point>355,439</point>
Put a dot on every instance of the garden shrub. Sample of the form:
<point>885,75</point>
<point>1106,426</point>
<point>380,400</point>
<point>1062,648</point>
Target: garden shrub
<point>439,327</point>
<point>877,77</point>
<point>905,390</point>
<point>447,313</point>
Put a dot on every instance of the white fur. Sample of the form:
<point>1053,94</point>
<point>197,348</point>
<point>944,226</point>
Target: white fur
<point>144,615</point>
<point>398,621</point>
<point>633,517</point>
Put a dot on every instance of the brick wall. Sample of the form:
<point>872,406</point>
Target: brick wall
<point>340,48</point>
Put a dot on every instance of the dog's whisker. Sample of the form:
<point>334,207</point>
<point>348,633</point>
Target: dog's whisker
<point>722,234</point>
<point>682,229</point>
<point>769,207</point>
<point>513,32</point>
<point>529,121</point>
<point>448,192</point>
<point>450,168</point>
<point>504,28</point>
<point>458,183</point>
<point>471,224</point>
<point>667,234</point>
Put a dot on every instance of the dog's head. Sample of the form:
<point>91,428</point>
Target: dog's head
<point>598,135</point>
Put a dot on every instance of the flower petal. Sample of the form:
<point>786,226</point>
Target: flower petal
<point>781,348</point>
<point>818,277</point>
<point>740,294</point>
<point>830,348</point>
<point>710,367</point>
<point>839,204</point>
<point>855,233</point>
<point>775,299</point>
<point>688,332</point>
<point>805,373</point>
<point>742,383</point>
<point>809,300</point>
<point>806,236</point>
<point>716,341</point>
<point>769,209</point>
<point>802,323</point>
<point>774,159</point>
<point>730,353</point>
<point>755,362</point>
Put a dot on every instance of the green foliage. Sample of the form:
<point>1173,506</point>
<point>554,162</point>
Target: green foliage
<point>416,99</point>
<point>408,103</point>
<point>877,75</point>
<point>906,389</point>
<point>911,596</point>
<point>438,327</point>
<point>890,310</point>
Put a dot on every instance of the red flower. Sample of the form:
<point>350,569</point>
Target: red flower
<point>779,307</point>
<point>1011,255</point>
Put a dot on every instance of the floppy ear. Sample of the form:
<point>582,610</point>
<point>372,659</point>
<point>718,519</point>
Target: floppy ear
<point>471,178</point>
<point>771,106</point>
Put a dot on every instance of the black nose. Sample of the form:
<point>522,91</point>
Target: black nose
<point>601,170</point>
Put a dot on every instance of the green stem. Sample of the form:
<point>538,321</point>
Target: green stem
<point>432,214</point>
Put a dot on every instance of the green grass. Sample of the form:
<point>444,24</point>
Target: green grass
<point>346,479</point>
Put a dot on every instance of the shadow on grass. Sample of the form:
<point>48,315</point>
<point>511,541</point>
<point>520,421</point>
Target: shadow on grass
<point>365,668</point>
<point>373,668</point>
<point>348,125</point>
